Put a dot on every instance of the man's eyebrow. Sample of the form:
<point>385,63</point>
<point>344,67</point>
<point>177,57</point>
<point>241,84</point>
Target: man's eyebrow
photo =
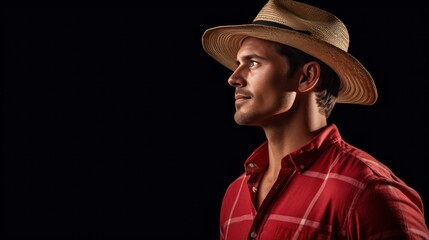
<point>248,57</point>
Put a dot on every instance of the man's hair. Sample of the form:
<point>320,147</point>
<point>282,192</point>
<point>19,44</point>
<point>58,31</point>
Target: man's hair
<point>329,83</point>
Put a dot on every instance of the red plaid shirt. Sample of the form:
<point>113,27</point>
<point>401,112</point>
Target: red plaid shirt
<point>327,189</point>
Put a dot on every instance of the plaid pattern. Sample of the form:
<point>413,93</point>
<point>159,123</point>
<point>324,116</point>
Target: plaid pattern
<point>327,189</point>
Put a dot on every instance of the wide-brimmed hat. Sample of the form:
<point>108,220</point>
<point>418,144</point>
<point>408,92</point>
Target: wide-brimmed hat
<point>307,28</point>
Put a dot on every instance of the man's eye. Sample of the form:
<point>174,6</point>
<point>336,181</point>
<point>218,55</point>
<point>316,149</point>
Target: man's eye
<point>253,63</point>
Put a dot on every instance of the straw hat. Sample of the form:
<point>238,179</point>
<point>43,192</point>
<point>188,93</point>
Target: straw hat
<point>304,27</point>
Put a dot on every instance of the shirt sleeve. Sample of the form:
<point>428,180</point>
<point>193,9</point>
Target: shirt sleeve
<point>387,210</point>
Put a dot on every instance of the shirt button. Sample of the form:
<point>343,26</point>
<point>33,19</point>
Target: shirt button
<point>254,189</point>
<point>251,165</point>
<point>253,234</point>
<point>302,166</point>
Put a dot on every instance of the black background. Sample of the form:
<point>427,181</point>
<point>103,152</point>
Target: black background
<point>116,122</point>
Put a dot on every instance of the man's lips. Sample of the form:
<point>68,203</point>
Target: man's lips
<point>241,97</point>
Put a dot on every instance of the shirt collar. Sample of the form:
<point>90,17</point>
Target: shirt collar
<point>301,159</point>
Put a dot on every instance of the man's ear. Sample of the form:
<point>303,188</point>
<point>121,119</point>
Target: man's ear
<point>310,76</point>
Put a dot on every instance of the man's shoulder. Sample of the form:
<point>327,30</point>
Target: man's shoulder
<point>363,163</point>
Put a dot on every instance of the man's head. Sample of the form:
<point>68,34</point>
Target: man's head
<point>309,29</point>
<point>274,82</point>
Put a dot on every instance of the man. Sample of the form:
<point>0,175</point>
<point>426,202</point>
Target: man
<point>290,67</point>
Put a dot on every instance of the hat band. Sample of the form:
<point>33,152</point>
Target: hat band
<point>274,24</point>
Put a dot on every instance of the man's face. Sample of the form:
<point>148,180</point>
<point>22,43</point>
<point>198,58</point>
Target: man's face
<point>264,89</point>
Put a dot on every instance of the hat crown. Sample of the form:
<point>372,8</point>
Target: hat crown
<point>301,17</point>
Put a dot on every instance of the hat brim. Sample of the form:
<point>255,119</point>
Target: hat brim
<point>358,87</point>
